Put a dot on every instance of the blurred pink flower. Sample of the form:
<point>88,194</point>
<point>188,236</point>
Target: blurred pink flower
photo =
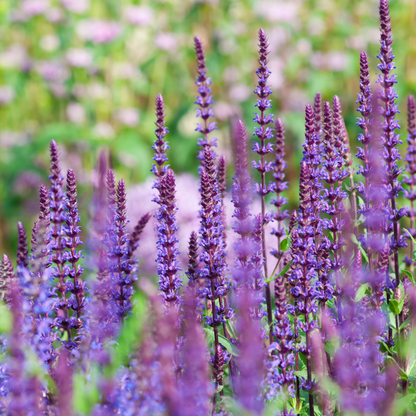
<point>334,60</point>
<point>187,200</point>
<point>138,15</point>
<point>27,181</point>
<point>75,113</point>
<point>76,6</point>
<point>58,89</point>
<point>52,71</point>
<point>6,94</point>
<point>279,11</point>
<point>13,138</point>
<point>55,15</point>
<point>98,31</point>
<point>166,41</point>
<point>104,130</point>
<point>128,116</point>
<point>34,7</point>
<point>80,58</point>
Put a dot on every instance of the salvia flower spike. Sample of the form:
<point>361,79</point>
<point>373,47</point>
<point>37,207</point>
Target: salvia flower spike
<point>204,100</point>
<point>410,158</point>
<point>161,145</point>
<point>264,134</point>
<point>390,139</point>
<point>167,243</point>
<point>22,251</point>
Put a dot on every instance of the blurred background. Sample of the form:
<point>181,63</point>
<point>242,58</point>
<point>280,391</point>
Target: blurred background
<point>86,73</point>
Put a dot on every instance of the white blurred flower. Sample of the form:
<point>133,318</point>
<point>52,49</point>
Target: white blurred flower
<point>76,113</point>
<point>97,91</point>
<point>98,31</point>
<point>304,46</point>
<point>80,58</point>
<point>104,130</point>
<point>138,15</point>
<point>6,94</point>
<point>124,70</point>
<point>14,57</point>
<point>34,7</point>
<point>276,78</point>
<point>128,116</point>
<point>166,41</point>
<point>49,43</point>
<point>76,6</point>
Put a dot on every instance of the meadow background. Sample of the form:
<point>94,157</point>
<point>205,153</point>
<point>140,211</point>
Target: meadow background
<point>86,73</point>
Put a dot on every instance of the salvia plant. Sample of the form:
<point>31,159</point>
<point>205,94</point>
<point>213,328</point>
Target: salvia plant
<point>327,327</point>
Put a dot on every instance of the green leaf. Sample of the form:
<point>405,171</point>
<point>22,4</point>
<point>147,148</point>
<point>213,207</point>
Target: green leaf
<point>86,392</point>
<point>402,404</point>
<point>406,322</point>
<point>6,319</point>
<point>355,241</point>
<point>282,273</point>
<point>229,346</point>
<point>284,245</point>
<point>395,306</point>
<point>301,373</point>
<point>361,292</point>
<point>409,275</point>
<point>410,235</point>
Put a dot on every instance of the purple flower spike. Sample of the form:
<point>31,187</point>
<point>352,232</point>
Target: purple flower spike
<point>136,234</point>
<point>160,146</point>
<point>72,231</point>
<point>22,252</point>
<point>7,277</point>
<point>204,101</point>
<point>58,241</point>
<point>410,158</point>
<point>196,388</point>
<point>250,359</point>
<point>264,133</point>
<point>193,263</point>
<point>390,139</point>
<point>64,383</point>
<point>44,220</point>
<point>279,167</point>
<point>120,269</point>
<point>317,113</point>
<point>167,244</point>
<point>241,198</point>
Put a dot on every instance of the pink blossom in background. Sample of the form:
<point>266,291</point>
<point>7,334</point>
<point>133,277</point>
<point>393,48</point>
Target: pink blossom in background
<point>279,11</point>
<point>34,7</point>
<point>52,71</point>
<point>55,15</point>
<point>13,138</point>
<point>76,6</point>
<point>104,130</point>
<point>79,58</point>
<point>139,203</point>
<point>58,89</point>
<point>138,15</point>
<point>128,116</point>
<point>27,181</point>
<point>76,113</point>
<point>166,41</point>
<point>98,31</point>
<point>6,94</point>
